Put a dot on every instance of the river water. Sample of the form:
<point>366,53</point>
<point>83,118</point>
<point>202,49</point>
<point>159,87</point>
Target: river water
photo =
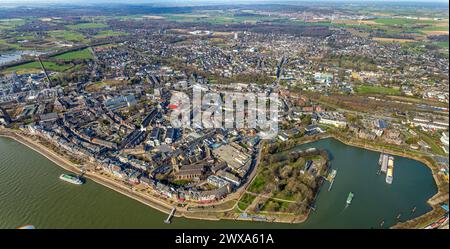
<point>14,56</point>
<point>31,193</point>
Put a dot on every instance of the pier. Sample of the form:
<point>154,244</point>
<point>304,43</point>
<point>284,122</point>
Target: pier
<point>169,218</point>
<point>83,171</point>
<point>331,178</point>
<point>383,161</point>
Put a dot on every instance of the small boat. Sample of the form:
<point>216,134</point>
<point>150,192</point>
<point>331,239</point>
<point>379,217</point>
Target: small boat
<point>70,178</point>
<point>390,170</point>
<point>350,198</point>
<point>26,227</point>
<point>332,175</point>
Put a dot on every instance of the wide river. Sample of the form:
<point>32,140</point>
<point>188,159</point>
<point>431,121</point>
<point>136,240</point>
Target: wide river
<point>31,193</point>
<point>16,55</point>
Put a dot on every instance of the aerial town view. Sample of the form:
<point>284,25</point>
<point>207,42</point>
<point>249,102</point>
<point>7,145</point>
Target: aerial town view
<point>224,114</point>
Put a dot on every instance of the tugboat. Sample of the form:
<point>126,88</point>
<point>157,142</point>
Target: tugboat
<point>349,198</point>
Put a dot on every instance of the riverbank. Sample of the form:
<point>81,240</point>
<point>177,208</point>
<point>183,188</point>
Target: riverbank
<point>104,181</point>
<point>165,208</point>
<point>69,166</point>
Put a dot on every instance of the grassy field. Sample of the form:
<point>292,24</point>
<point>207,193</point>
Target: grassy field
<point>88,26</point>
<point>377,90</point>
<point>431,142</point>
<point>25,71</point>
<point>66,35</point>
<point>382,39</point>
<point>402,21</point>
<point>215,18</point>
<point>442,44</point>
<point>11,23</point>
<point>181,182</point>
<point>257,185</point>
<point>110,83</point>
<point>435,28</point>
<point>412,30</point>
<point>80,54</point>
<point>280,206</point>
<point>245,201</point>
<point>25,37</point>
<point>109,33</point>
<point>11,44</point>
<point>34,66</point>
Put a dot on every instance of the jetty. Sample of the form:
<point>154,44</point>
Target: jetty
<point>169,218</point>
<point>386,163</point>
<point>83,172</point>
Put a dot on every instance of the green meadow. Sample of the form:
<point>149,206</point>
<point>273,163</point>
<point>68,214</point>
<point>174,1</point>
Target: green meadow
<point>10,45</point>
<point>377,90</point>
<point>52,66</point>
<point>88,26</point>
<point>402,21</point>
<point>80,54</point>
<point>442,44</point>
<point>66,35</point>
<point>11,23</point>
<point>109,33</point>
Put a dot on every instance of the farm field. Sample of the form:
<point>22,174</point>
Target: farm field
<point>11,23</point>
<point>109,33</point>
<point>377,90</point>
<point>383,39</point>
<point>88,26</point>
<point>66,35</point>
<point>6,45</point>
<point>403,21</point>
<point>52,66</point>
<point>80,54</point>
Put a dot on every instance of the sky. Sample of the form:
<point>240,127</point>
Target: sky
<point>190,1</point>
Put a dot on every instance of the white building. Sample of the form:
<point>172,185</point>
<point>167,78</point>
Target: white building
<point>444,138</point>
<point>335,119</point>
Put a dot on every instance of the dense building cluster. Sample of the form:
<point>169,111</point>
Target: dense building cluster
<point>115,112</point>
